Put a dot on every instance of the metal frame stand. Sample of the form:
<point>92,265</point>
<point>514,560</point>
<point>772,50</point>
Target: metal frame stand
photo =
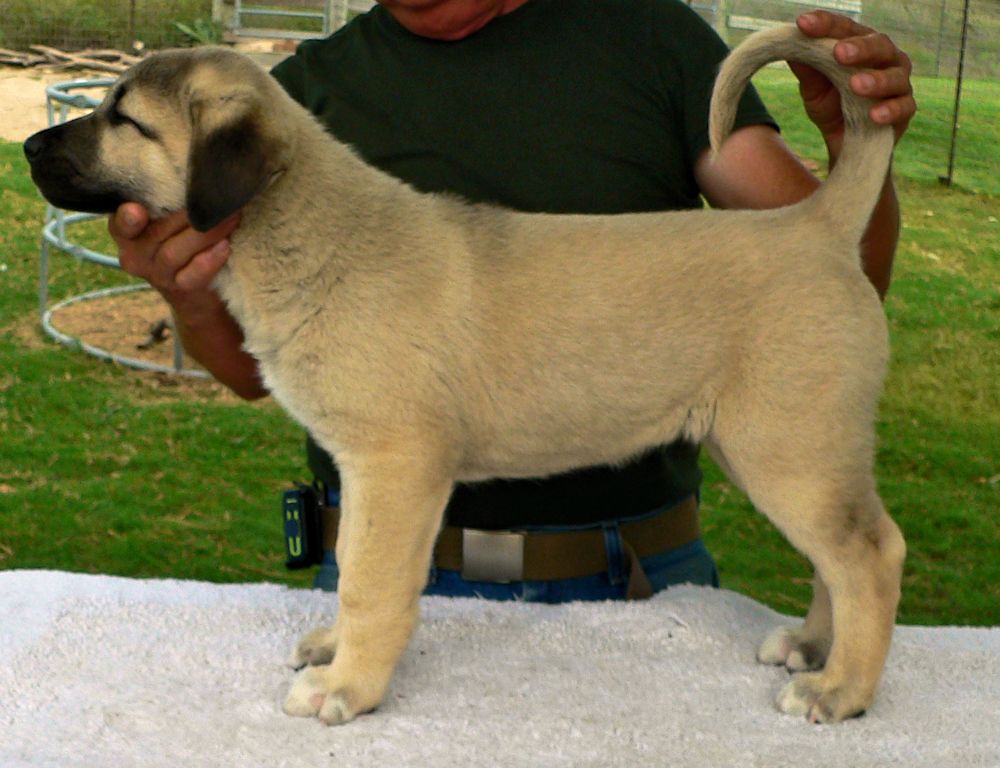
<point>54,233</point>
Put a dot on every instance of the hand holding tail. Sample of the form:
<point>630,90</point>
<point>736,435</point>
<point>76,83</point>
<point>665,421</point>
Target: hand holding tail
<point>884,77</point>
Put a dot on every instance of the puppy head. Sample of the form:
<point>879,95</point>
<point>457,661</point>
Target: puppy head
<point>182,129</point>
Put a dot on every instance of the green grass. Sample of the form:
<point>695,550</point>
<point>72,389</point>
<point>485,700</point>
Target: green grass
<point>106,470</point>
<point>75,24</point>
<point>923,153</point>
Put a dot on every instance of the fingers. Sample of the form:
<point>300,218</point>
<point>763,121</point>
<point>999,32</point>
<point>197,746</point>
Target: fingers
<point>895,112</point>
<point>826,24</point>
<point>200,270</point>
<point>885,78</point>
<point>859,46</point>
<point>188,260</point>
<point>176,247</point>
<point>881,83</point>
<point>885,69</point>
<point>890,85</point>
<point>128,221</point>
<point>174,258</point>
<point>873,50</point>
<point>138,239</point>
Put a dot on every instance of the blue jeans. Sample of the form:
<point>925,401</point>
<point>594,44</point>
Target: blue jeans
<point>688,564</point>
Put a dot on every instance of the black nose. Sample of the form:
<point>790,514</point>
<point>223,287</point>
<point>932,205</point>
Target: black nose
<point>35,145</point>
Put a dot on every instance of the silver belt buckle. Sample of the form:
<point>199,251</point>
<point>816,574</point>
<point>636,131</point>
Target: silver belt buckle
<point>496,556</point>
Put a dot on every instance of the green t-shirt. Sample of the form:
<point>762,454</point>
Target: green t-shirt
<point>563,106</point>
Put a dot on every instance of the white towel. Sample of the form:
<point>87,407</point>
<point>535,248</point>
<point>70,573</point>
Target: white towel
<point>100,671</point>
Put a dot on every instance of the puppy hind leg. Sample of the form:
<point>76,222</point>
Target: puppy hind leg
<point>395,507</point>
<point>858,554</point>
<point>821,494</point>
<point>803,647</point>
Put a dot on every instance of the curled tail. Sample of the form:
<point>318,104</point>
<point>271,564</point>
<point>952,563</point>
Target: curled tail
<point>850,192</point>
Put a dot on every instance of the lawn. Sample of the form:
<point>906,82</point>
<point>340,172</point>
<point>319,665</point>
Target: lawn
<point>107,470</point>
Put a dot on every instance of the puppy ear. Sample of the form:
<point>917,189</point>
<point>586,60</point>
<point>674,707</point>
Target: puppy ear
<point>229,162</point>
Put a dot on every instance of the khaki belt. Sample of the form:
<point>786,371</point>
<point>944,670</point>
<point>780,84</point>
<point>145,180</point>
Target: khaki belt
<point>505,556</point>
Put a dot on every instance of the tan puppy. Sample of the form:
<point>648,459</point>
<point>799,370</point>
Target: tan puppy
<point>424,341</point>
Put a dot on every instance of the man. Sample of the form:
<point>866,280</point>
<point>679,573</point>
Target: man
<point>542,105</point>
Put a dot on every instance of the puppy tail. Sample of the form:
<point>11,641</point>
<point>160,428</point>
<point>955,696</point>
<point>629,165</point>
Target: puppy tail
<point>850,192</point>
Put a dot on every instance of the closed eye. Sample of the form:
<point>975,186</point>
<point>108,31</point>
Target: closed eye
<point>117,117</point>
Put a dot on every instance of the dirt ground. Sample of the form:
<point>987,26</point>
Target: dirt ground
<point>22,98</point>
<point>129,325</point>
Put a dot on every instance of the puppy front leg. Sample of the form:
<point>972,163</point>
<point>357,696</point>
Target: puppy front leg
<point>395,504</point>
<point>318,646</point>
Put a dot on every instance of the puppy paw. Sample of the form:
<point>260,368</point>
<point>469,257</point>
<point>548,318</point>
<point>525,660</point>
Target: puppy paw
<point>314,693</point>
<point>305,697</point>
<point>315,648</point>
<point>810,695</point>
<point>786,646</point>
<point>337,709</point>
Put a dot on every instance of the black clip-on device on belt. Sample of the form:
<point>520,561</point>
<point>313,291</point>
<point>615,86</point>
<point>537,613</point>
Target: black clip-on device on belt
<point>303,531</point>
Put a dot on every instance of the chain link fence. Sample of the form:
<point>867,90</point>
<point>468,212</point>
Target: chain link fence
<point>951,41</point>
<point>948,40</point>
<point>929,30</point>
<point>74,25</point>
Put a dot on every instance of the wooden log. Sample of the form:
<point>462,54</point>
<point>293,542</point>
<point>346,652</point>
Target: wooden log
<point>20,58</point>
<point>99,59</point>
<point>62,57</point>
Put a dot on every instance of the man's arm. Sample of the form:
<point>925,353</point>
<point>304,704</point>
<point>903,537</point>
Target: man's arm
<point>181,263</point>
<point>757,170</point>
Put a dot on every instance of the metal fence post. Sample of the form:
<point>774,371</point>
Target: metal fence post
<point>946,180</point>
